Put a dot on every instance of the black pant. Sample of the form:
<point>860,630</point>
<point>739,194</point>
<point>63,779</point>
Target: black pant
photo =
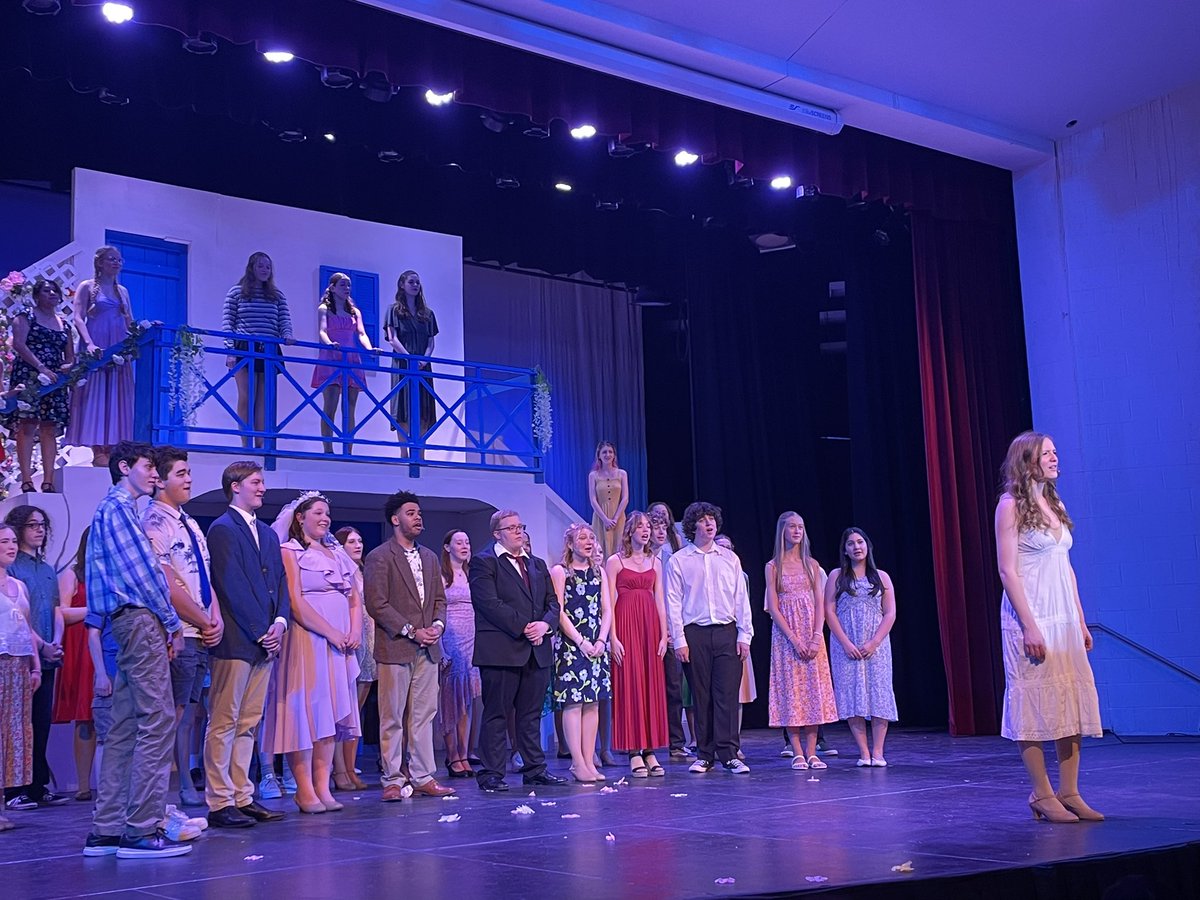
<point>518,688</point>
<point>43,705</point>
<point>673,676</point>
<point>714,673</point>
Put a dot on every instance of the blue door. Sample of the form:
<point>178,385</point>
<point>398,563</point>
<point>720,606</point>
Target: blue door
<point>364,288</point>
<point>155,274</point>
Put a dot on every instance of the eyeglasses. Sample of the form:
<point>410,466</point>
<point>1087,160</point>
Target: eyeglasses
<point>113,259</point>
<point>513,528</point>
<point>35,525</point>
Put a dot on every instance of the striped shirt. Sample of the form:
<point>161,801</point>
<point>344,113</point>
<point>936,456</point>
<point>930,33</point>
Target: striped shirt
<point>121,569</point>
<point>256,316</point>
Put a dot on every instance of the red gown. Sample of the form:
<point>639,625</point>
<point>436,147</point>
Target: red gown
<point>73,687</point>
<point>639,691</point>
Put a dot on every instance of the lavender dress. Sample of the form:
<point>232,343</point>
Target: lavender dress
<point>460,679</point>
<point>102,408</point>
<point>862,687</point>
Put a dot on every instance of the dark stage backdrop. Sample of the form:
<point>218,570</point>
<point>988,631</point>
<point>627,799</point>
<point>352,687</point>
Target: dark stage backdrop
<point>588,342</point>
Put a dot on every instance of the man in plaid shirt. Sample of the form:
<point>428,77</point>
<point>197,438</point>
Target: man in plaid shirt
<point>126,585</point>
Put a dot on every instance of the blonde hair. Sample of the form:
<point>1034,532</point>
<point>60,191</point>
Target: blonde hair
<point>1017,477</point>
<point>781,548</point>
<point>569,536</point>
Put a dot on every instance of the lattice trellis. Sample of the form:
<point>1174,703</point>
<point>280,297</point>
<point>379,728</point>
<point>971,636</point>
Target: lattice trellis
<point>62,266</point>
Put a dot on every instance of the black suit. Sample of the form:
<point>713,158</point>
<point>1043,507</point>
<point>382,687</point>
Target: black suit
<point>514,673</point>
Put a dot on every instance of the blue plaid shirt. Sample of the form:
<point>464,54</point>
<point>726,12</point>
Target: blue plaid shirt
<point>122,569</point>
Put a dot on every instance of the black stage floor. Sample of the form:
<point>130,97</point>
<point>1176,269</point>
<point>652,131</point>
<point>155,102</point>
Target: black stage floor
<point>954,807</point>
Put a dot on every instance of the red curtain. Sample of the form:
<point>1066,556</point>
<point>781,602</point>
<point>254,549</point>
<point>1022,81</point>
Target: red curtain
<point>971,345</point>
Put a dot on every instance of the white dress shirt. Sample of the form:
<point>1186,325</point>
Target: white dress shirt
<point>250,518</point>
<point>501,553</point>
<point>707,588</point>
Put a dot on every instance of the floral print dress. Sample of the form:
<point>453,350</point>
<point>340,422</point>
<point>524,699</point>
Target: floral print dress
<point>578,678</point>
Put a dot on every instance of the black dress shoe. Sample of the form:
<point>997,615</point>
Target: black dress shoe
<point>544,778</point>
<point>259,813</point>
<point>492,785</point>
<point>229,817</point>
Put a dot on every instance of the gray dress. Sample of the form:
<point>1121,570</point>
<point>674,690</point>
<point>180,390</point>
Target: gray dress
<point>862,687</point>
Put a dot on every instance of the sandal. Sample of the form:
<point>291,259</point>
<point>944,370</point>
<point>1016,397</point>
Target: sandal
<point>48,487</point>
<point>637,768</point>
<point>653,769</point>
<point>799,763</point>
<point>815,763</point>
<point>28,488</point>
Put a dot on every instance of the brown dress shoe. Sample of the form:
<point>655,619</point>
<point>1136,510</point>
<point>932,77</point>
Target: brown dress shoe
<point>432,789</point>
<point>394,792</point>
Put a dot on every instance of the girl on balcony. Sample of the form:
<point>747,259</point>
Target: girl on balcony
<point>102,407</point>
<point>42,345</point>
<point>256,308</point>
<point>411,329</point>
<point>339,327</point>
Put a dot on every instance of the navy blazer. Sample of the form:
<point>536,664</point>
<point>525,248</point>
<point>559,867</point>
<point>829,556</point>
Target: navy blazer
<point>250,584</point>
<point>504,606</point>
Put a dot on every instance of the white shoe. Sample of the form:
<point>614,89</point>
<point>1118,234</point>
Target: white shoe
<point>268,788</point>
<point>176,827</point>
<point>786,753</point>
<point>878,762</point>
<point>700,767</point>
<point>737,767</point>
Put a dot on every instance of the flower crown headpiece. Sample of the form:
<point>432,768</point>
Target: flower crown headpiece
<point>311,495</point>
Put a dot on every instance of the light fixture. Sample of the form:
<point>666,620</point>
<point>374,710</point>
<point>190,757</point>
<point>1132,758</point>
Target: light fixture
<point>781,182</point>
<point>43,7</point>
<point>493,122</point>
<point>609,204</point>
<point>117,13</point>
<point>329,136</point>
<point>338,78</point>
<point>279,56</point>
<point>292,136</point>
<point>200,45</point>
<point>563,186</point>
<point>507,182</point>
<point>807,190</point>
<point>619,148</point>
<point>734,176</point>
<point>376,87</point>
<point>685,158</point>
<point>390,156</point>
<point>583,132</point>
<point>433,98</point>
<point>536,131</point>
<point>104,95</point>
<point>772,242</point>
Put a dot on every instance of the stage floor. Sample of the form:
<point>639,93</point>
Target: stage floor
<point>953,806</point>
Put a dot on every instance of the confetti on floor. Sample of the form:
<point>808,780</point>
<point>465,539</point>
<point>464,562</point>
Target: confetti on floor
<point>453,817</point>
<point>523,810</point>
<point>608,790</point>
<point>610,837</point>
<point>905,866</point>
<point>549,803</point>
<point>254,858</point>
<point>570,815</point>
<point>815,879</point>
<point>452,797</point>
<point>728,879</point>
<point>679,795</point>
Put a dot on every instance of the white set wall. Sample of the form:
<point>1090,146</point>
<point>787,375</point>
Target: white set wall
<point>1109,236</point>
<point>221,232</point>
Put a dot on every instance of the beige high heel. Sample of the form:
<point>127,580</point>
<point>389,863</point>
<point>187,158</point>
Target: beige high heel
<point>1051,810</point>
<point>1076,804</point>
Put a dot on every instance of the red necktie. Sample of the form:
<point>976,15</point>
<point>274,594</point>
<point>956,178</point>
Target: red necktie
<point>524,570</point>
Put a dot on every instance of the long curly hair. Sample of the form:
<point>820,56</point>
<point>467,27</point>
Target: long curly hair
<point>329,300</point>
<point>632,521</point>
<point>781,548</point>
<point>573,531</point>
<point>419,301</point>
<point>295,529</point>
<point>672,534</point>
<point>1018,476</point>
<point>18,516</point>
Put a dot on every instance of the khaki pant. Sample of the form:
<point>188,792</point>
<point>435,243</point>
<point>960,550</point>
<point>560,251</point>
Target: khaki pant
<point>235,707</point>
<point>136,768</point>
<point>408,693</point>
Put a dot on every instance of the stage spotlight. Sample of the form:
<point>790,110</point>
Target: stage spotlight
<point>43,7</point>
<point>278,56</point>
<point>117,13</point>
<point>537,131</point>
<point>507,183</point>
<point>618,148</point>
<point>770,242</point>
<point>292,136</point>
<point>390,156</point>
<point>330,136</point>
<point>200,45</point>
<point>563,186</point>
<point>104,95</point>
<point>493,122</point>
<point>583,132</point>
<point>781,182</point>
<point>433,98</point>
<point>807,190</point>
<point>376,87</point>
<point>336,78</point>
<point>685,158</point>
<point>734,177</point>
<point>608,204</point>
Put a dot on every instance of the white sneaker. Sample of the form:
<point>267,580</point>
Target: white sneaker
<point>176,826</point>
<point>199,822</point>
<point>737,767</point>
<point>701,766</point>
<point>787,753</point>
<point>269,788</point>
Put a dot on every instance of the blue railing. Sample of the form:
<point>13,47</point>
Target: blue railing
<point>476,415</point>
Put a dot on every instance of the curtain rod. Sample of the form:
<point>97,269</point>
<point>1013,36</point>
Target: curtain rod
<point>566,279</point>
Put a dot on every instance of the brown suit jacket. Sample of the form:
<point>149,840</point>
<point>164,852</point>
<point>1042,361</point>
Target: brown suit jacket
<point>393,601</point>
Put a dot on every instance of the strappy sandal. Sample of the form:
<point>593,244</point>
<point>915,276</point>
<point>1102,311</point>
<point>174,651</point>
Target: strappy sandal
<point>799,763</point>
<point>653,769</point>
<point>637,769</point>
<point>28,488</point>
<point>815,763</point>
<point>48,487</point>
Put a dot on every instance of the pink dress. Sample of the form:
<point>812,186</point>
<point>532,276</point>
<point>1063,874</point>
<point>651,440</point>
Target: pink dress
<point>102,408</point>
<point>801,690</point>
<point>460,679</point>
<point>343,330</point>
<point>313,691</point>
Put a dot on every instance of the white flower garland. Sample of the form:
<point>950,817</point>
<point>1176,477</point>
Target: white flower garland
<point>543,412</point>
<point>185,376</point>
